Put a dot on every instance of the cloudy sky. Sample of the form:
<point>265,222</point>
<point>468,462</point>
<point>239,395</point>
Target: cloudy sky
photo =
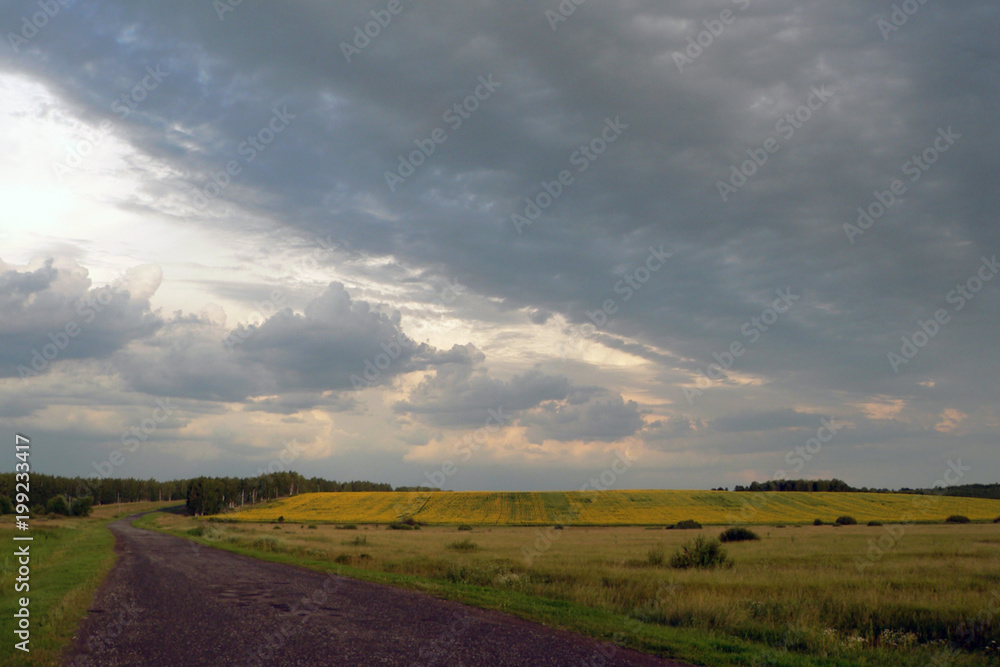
<point>499,245</point>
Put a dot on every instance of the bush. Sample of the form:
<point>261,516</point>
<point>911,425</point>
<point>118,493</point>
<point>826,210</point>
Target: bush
<point>396,525</point>
<point>874,523</point>
<point>687,524</point>
<point>957,518</point>
<point>464,545</point>
<point>343,559</point>
<point>465,527</point>
<point>281,519</point>
<point>359,541</point>
<point>818,522</point>
<point>312,526</point>
<point>702,553</point>
<point>846,521</point>
<point>6,507</point>
<point>57,505</point>
<point>738,534</point>
<point>656,556</point>
<point>81,506</point>
<point>346,526</point>
<point>265,544</point>
<point>996,520</point>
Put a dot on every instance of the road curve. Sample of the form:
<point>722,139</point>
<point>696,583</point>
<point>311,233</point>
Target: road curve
<point>171,602</point>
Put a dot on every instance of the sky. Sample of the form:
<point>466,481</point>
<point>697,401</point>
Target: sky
<point>488,245</point>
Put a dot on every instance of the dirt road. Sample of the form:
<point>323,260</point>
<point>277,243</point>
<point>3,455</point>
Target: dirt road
<point>173,603</point>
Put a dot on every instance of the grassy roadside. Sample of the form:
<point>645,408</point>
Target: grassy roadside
<point>424,560</point>
<point>70,557</point>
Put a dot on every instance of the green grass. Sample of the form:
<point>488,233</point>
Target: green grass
<point>70,557</point>
<point>794,598</point>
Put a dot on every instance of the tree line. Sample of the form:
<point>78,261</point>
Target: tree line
<point>815,485</point>
<point>836,485</point>
<point>203,495</point>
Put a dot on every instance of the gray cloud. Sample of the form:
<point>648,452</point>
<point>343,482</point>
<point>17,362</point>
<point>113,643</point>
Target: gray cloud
<point>657,184</point>
<point>52,315</point>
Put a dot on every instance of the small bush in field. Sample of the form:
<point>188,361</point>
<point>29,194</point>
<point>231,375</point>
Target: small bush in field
<point>346,526</point>
<point>957,518</point>
<point>465,527</point>
<point>874,523</point>
<point>312,526</point>
<point>464,545</point>
<point>656,556</point>
<point>846,521</point>
<point>996,520</point>
<point>738,534</point>
<point>701,553</point>
<point>687,524</point>
<point>818,522</point>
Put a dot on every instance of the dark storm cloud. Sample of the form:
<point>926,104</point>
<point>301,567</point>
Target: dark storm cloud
<point>602,417</point>
<point>657,184</point>
<point>463,395</point>
<point>51,315</point>
<point>337,344</point>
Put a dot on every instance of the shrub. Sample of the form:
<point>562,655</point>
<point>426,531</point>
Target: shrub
<point>656,556</point>
<point>702,552</point>
<point>57,505</point>
<point>957,518</point>
<point>81,506</point>
<point>277,527</point>
<point>281,519</point>
<point>396,525</point>
<point>346,526</point>
<point>558,526</point>
<point>343,559</point>
<point>874,523</point>
<point>818,522</point>
<point>738,534</point>
<point>312,526</point>
<point>465,527</point>
<point>359,541</point>
<point>846,521</point>
<point>996,520</point>
<point>6,507</point>
<point>265,544</point>
<point>687,524</point>
<point>464,545</point>
<point>197,532</point>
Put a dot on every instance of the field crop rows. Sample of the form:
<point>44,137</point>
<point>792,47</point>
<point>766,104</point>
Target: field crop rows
<point>611,508</point>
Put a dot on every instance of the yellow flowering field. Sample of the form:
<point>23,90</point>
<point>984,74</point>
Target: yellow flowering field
<point>610,508</point>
